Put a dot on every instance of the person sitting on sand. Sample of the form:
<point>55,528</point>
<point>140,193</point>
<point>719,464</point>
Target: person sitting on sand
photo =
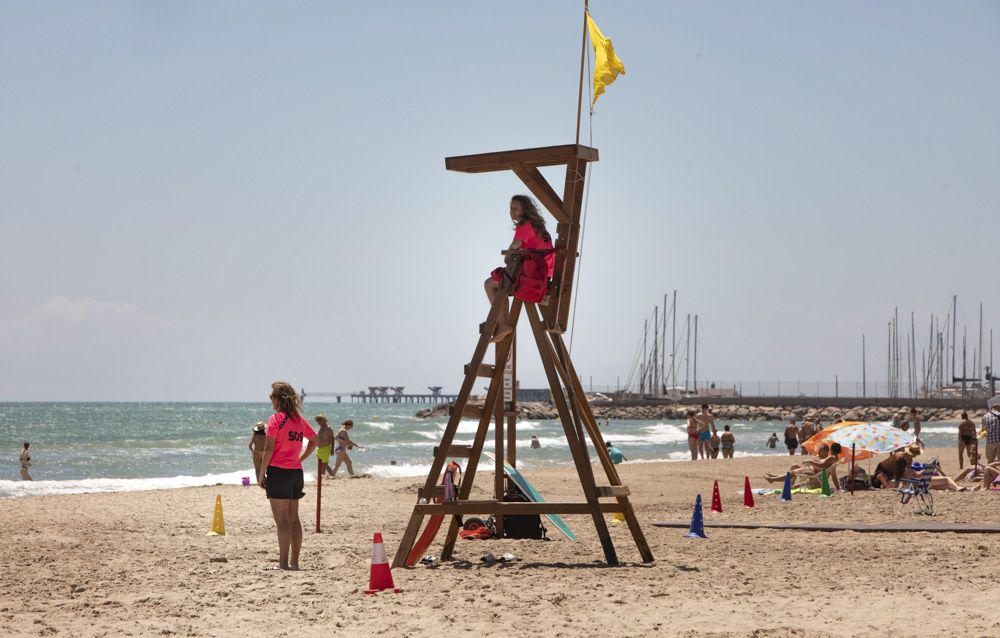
<point>692,432</point>
<point>529,234</point>
<point>324,443</point>
<point>343,443</point>
<point>896,466</point>
<point>728,443</point>
<point>25,459</point>
<point>808,473</point>
<point>256,445</point>
<point>773,441</point>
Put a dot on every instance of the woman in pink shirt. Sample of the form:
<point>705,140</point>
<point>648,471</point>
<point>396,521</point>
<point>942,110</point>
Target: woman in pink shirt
<point>529,234</point>
<point>281,470</point>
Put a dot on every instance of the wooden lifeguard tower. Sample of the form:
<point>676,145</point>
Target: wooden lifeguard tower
<point>549,320</point>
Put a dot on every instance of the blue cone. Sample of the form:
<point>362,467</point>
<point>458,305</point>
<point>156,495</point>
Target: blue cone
<point>697,522</point>
<point>786,491</point>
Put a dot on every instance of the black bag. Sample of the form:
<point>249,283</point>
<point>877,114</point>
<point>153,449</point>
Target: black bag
<point>521,525</point>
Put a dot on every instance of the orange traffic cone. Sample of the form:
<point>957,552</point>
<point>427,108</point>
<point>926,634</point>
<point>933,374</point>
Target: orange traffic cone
<point>747,493</point>
<point>381,577</point>
<point>716,498</point>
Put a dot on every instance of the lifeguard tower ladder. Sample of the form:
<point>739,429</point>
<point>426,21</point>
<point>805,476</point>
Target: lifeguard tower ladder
<point>548,320</point>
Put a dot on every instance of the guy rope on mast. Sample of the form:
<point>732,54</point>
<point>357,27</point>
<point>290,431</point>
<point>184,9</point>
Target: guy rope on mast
<point>607,67</point>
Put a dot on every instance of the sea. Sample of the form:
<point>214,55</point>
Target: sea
<point>114,447</point>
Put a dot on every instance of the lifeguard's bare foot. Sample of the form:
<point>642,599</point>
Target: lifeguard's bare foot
<point>502,333</point>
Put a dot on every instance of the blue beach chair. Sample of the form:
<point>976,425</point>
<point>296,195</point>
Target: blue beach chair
<point>918,489</point>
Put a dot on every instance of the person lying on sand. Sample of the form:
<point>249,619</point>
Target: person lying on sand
<point>988,473</point>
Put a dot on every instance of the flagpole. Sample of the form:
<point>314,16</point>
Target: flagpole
<point>583,55</point>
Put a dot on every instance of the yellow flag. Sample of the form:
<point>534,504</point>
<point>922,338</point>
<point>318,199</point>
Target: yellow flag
<point>607,66</point>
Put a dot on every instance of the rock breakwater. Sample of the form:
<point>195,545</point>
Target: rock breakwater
<point>602,411</point>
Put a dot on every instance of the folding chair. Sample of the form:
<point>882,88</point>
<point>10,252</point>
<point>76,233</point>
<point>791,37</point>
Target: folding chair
<point>919,487</point>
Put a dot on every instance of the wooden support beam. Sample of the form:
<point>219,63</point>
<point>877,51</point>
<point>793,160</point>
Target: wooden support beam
<point>604,491</point>
<point>437,493</point>
<point>503,160</point>
<point>455,451</point>
<point>576,173</point>
<point>576,446</point>
<point>467,412</point>
<point>540,188</point>
<point>506,509</point>
<point>484,370</point>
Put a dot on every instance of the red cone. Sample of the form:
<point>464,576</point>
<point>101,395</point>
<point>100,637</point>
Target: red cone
<point>716,498</point>
<point>747,493</point>
<point>381,577</point>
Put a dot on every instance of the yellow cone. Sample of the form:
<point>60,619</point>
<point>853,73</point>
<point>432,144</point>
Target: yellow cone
<point>618,518</point>
<point>218,525</point>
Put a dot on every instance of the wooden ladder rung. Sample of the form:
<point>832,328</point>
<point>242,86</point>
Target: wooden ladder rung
<point>438,493</point>
<point>510,412</point>
<point>456,451</point>
<point>612,490</point>
<point>484,370</point>
<point>469,412</point>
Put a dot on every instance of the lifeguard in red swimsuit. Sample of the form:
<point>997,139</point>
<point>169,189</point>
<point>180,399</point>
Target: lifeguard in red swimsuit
<point>529,234</point>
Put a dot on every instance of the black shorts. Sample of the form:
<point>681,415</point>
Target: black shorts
<point>966,438</point>
<point>791,444</point>
<point>282,483</point>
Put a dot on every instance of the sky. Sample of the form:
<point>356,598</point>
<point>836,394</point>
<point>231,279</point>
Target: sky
<point>199,198</point>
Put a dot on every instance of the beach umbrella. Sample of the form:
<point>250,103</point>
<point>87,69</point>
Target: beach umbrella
<point>876,438</point>
<point>811,445</point>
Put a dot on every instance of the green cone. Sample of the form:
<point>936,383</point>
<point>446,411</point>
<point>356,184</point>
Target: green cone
<point>825,484</point>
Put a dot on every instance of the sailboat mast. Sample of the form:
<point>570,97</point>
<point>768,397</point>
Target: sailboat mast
<point>696,354</point>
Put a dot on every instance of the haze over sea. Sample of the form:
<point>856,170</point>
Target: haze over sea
<point>110,447</point>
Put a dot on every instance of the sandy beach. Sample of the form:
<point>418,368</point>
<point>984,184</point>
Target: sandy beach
<point>140,564</point>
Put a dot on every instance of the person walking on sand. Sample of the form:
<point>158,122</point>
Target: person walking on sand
<point>256,445</point>
<point>692,431</point>
<point>791,437</point>
<point>536,269</point>
<point>324,443</point>
<point>281,470</point>
<point>25,459</point>
<point>728,443</point>
<point>966,439</point>
<point>343,443</point>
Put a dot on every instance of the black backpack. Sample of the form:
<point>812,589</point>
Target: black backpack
<point>521,525</point>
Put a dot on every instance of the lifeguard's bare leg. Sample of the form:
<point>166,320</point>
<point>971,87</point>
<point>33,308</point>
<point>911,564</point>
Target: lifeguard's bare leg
<point>492,289</point>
